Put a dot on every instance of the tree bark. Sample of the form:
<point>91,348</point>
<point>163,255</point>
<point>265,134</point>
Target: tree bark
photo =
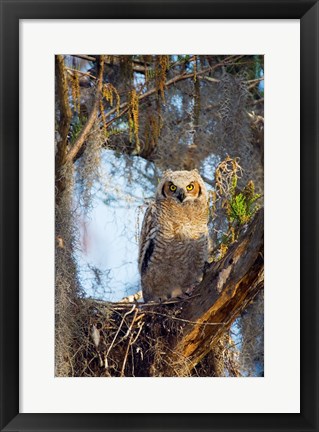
<point>64,123</point>
<point>227,288</point>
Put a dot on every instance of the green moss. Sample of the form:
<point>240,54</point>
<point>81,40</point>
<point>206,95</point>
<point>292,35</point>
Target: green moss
<point>242,204</point>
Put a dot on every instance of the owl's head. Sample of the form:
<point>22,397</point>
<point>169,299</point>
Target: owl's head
<point>182,186</point>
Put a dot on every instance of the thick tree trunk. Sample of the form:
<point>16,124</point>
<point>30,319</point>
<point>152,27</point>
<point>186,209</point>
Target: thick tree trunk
<point>66,284</point>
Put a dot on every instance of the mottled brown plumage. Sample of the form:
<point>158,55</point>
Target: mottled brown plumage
<point>174,236</point>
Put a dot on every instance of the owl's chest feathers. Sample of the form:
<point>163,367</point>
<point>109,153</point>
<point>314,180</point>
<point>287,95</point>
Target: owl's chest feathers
<point>183,222</point>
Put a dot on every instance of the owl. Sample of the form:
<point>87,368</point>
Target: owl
<point>173,245</point>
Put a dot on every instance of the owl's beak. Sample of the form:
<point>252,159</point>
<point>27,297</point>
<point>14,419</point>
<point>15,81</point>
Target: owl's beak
<point>181,195</point>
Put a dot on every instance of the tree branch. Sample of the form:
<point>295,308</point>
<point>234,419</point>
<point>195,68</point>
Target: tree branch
<point>168,83</point>
<point>138,66</point>
<point>227,288</point>
<point>254,82</point>
<point>92,116</point>
<point>65,110</point>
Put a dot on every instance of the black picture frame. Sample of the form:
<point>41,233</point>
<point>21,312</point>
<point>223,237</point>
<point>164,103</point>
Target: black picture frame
<point>11,12</point>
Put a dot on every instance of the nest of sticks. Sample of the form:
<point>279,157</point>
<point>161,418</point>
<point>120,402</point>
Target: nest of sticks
<point>128,340</point>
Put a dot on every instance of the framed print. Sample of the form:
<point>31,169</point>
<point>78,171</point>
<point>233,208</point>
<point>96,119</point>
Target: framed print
<point>147,152</point>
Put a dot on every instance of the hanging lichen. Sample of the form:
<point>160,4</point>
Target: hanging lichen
<point>161,67</point>
<point>75,88</point>
<point>102,112</point>
<point>133,119</point>
<point>148,71</point>
<point>109,92</point>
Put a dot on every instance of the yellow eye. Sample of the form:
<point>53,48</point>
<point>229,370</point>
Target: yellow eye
<point>190,187</point>
<point>173,187</point>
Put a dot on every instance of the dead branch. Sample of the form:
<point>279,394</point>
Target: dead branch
<point>227,288</point>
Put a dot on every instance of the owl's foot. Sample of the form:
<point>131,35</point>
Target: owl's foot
<point>174,296</point>
<point>178,295</point>
<point>168,296</point>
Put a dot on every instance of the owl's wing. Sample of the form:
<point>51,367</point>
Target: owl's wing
<point>146,243</point>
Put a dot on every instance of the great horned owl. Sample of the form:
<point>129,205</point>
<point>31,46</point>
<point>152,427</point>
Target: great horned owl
<point>174,237</point>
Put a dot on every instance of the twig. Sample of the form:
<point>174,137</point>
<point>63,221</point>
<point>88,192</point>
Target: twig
<point>84,57</point>
<point>258,101</point>
<point>118,330</point>
<point>80,72</point>
<point>215,80</point>
<point>131,341</point>
<point>168,302</point>
<point>125,357</point>
<point>131,325</point>
<point>254,82</point>
<point>140,326</point>
<point>185,320</point>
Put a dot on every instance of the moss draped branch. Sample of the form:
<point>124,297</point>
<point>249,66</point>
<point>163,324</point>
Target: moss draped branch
<point>92,116</point>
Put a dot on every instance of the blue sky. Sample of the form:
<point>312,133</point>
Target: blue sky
<point>109,232</point>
